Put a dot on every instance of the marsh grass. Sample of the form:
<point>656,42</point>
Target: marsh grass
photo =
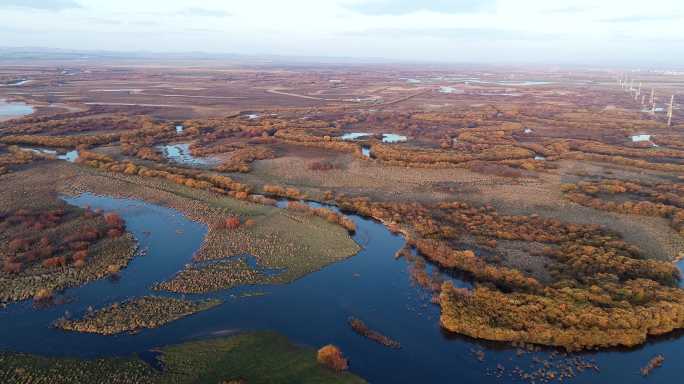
<point>263,357</point>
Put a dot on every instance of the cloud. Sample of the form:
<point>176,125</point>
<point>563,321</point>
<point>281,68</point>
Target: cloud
<point>185,12</point>
<point>469,34</point>
<point>629,39</point>
<point>402,7</point>
<point>203,12</point>
<point>102,21</point>
<point>642,18</point>
<point>202,30</point>
<point>143,23</point>
<point>43,5</point>
<point>568,10</point>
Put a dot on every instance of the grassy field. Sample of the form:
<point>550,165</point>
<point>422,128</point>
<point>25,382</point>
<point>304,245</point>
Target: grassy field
<point>223,274</point>
<point>263,357</point>
<point>281,239</point>
<point>132,315</point>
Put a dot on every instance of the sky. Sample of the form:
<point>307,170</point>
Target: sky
<point>487,31</point>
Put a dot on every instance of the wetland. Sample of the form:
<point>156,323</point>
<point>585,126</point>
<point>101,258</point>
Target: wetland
<point>437,231</point>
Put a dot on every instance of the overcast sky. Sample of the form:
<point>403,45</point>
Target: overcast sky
<point>553,31</point>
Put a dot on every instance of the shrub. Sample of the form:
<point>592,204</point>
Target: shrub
<point>44,241</point>
<point>42,294</point>
<point>54,262</point>
<point>321,166</point>
<point>17,245</point>
<point>45,252</point>
<point>79,245</point>
<point>114,232</point>
<point>10,267</point>
<point>80,255</point>
<point>114,220</point>
<point>332,357</point>
<point>232,222</point>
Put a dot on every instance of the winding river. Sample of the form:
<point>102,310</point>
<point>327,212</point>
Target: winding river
<point>372,286</point>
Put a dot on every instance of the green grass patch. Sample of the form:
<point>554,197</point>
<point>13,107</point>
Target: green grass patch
<point>263,357</point>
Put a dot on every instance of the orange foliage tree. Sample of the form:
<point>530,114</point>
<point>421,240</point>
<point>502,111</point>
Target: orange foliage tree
<point>332,357</point>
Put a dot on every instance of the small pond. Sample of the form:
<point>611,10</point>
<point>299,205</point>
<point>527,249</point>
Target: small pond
<point>14,109</point>
<point>70,156</point>
<point>393,138</point>
<point>366,151</point>
<point>44,151</point>
<point>639,138</point>
<point>449,90</point>
<point>180,153</point>
<point>386,137</point>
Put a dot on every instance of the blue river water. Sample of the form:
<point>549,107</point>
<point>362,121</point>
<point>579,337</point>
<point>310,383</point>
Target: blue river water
<point>372,286</point>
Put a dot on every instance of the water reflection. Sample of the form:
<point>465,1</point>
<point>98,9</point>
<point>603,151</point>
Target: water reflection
<point>447,90</point>
<point>180,153</point>
<point>43,151</point>
<point>14,109</point>
<point>372,286</point>
<point>354,136</point>
<point>639,138</point>
<point>366,151</point>
<point>70,156</point>
<point>393,138</point>
<point>386,137</point>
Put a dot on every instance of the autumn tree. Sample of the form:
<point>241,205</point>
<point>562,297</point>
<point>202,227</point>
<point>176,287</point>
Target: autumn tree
<point>332,357</point>
<point>233,222</point>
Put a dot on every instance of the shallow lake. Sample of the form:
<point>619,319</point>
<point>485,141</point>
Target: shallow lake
<point>180,153</point>
<point>639,138</point>
<point>40,150</point>
<point>69,156</point>
<point>386,137</point>
<point>14,109</point>
<point>393,138</point>
<point>372,286</point>
<point>446,89</point>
